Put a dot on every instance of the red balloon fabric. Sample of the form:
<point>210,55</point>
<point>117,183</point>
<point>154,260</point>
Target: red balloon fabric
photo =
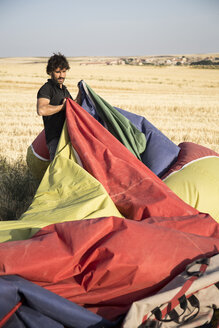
<point>189,151</point>
<point>105,264</point>
<point>39,146</point>
<point>136,191</point>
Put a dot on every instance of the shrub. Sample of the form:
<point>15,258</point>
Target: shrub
<point>17,188</point>
<point>205,62</point>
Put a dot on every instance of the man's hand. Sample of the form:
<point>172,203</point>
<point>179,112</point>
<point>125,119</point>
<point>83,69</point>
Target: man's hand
<point>64,104</point>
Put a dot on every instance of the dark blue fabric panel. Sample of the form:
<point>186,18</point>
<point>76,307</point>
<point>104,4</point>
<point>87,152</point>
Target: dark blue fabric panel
<point>160,152</point>
<point>34,319</point>
<point>27,317</point>
<point>87,103</point>
<point>8,297</point>
<point>14,322</point>
<point>49,307</point>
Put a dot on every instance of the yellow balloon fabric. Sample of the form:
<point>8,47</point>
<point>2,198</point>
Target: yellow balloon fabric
<point>36,165</point>
<point>67,192</point>
<point>197,183</point>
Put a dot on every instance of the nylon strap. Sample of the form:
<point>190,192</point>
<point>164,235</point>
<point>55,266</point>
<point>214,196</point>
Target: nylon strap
<point>9,314</point>
<point>175,300</point>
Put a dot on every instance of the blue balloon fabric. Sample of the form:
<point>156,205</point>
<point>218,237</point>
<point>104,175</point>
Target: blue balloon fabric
<point>42,308</point>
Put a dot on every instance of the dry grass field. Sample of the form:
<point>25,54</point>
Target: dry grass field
<point>183,102</point>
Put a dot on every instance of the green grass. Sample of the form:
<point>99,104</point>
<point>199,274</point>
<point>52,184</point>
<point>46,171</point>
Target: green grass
<point>17,188</point>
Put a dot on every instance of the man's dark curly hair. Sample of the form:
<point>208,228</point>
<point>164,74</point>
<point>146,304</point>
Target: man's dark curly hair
<point>55,61</point>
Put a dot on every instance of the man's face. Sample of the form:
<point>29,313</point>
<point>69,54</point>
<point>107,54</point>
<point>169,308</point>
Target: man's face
<point>58,75</point>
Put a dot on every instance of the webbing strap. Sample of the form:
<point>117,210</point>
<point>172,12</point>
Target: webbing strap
<point>9,314</point>
<point>217,284</point>
<point>175,300</point>
<point>178,298</point>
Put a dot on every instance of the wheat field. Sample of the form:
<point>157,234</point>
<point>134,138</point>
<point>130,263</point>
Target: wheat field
<point>182,102</point>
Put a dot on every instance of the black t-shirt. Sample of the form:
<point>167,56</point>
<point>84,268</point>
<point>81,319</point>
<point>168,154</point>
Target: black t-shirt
<point>53,124</point>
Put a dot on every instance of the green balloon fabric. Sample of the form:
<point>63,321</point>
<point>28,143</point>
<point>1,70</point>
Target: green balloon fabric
<point>119,125</point>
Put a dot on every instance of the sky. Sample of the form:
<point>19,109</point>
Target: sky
<point>39,28</point>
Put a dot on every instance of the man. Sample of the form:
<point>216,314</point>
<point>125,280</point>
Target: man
<point>51,99</point>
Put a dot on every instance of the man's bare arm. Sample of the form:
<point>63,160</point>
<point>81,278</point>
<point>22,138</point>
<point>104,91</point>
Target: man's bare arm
<point>45,109</point>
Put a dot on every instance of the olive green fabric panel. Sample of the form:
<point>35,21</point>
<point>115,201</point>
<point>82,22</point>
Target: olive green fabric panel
<point>67,192</point>
<point>197,183</point>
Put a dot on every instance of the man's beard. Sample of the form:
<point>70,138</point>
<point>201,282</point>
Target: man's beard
<point>58,80</point>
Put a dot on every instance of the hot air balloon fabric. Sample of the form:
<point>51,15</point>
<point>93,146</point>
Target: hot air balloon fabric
<point>103,230</point>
